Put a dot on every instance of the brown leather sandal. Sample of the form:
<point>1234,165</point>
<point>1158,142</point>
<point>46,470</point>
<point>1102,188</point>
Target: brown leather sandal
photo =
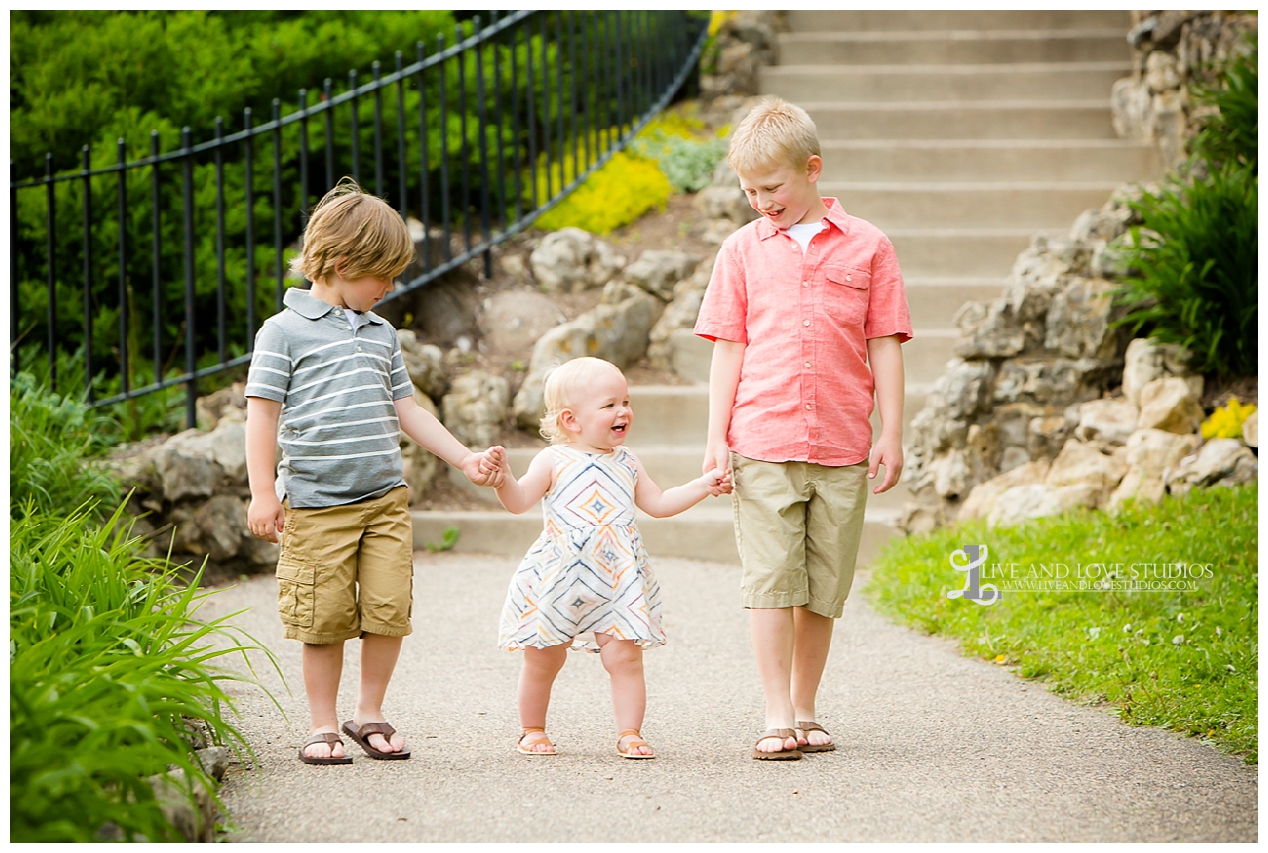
<point>329,738</point>
<point>529,751</point>
<point>811,726</point>
<point>636,740</point>
<point>784,754</point>
<point>361,734</point>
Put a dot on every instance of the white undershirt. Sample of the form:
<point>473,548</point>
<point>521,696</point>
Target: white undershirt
<point>803,234</point>
<point>358,320</point>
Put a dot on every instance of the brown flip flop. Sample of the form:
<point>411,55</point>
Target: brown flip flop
<point>362,737</point>
<point>328,738</point>
<point>783,754</point>
<point>811,726</point>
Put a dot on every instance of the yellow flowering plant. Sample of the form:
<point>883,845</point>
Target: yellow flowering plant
<point>1226,421</point>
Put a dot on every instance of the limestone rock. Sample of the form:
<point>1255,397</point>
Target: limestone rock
<point>424,363</point>
<point>1147,360</point>
<point>474,408</point>
<point>1162,71</point>
<point>1151,453</point>
<point>617,333</point>
<point>1022,503</point>
<point>570,260</point>
<point>681,313</point>
<point>1078,321</point>
<point>1250,430</point>
<point>196,464</point>
<point>981,499</point>
<point>419,466</point>
<point>1048,260</point>
<point>966,387</point>
<point>997,335</point>
<point>1131,105</point>
<point>1111,421</point>
<point>1103,225</point>
<point>1169,404</point>
<point>259,552</point>
<point>658,271</point>
<point>726,202</point>
<point>222,524</point>
<point>228,402</point>
<point>511,321</point>
<point>1220,462</point>
<point>1081,464</point>
<point>1056,382</point>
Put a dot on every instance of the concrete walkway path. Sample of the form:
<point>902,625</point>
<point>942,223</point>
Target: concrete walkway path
<point>932,746</point>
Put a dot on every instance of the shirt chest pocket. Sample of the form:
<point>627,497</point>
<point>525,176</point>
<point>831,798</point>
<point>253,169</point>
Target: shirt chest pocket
<point>845,294</point>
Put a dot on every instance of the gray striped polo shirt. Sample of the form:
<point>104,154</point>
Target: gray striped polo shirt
<point>340,437</point>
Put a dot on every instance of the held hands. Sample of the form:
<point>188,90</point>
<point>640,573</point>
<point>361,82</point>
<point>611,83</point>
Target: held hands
<point>265,517</point>
<point>718,482</point>
<point>488,468</point>
<point>888,452</point>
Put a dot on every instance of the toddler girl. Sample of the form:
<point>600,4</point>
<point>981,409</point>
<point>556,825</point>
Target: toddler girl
<point>586,582</point>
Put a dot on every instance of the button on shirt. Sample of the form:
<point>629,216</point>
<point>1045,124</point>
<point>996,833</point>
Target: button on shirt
<point>805,390</point>
<point>339,433</point>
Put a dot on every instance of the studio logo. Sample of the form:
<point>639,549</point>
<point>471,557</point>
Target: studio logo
<point>971,558</point>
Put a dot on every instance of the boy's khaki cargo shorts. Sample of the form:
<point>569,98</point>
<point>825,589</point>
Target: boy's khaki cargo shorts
<point>347,570</point>
<point>798,527</point>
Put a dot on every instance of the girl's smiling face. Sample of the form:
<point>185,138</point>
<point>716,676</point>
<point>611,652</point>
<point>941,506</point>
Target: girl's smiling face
<point>601,419</point>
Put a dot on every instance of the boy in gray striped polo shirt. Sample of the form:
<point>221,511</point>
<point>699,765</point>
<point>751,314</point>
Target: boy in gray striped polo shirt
<point>330,373</point>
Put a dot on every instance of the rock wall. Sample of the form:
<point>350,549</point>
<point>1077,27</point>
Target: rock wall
<point>1173,52</point>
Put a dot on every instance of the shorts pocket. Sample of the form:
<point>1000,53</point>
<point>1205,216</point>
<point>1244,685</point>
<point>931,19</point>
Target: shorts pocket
<point>846,294</point>
<point>296,583</point>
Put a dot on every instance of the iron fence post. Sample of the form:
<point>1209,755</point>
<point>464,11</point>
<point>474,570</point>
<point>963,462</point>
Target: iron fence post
<point>87,275</point>
<point>187,172</point>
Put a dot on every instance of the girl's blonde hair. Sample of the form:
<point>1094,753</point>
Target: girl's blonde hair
<point>360,232</point>
<point>774,133</point>
<point>560,391</point>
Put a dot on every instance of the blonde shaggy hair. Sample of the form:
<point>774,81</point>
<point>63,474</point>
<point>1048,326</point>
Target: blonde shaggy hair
<point>359,232</point>
<point>563,384</point>
<point>774,133</point>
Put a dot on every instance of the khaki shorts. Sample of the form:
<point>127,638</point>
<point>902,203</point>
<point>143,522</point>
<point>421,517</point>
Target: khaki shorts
<point>798,527</point>
<point>347,570</point>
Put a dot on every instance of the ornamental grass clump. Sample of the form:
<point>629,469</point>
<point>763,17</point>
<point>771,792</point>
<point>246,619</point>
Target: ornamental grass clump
<point>111,673</point>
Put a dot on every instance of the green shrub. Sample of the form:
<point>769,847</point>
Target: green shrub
<point>51,439</point>
<point>688,163</point>
<point>1197,257</point>
<point>109,671</point>
<point>1231,134</point>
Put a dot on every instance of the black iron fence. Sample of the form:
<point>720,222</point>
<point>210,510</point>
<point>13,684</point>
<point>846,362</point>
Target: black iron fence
<point>150,273</point>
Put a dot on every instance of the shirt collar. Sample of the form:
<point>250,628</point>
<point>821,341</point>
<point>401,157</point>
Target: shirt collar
<point>303,303</point>
<point>836,215</point>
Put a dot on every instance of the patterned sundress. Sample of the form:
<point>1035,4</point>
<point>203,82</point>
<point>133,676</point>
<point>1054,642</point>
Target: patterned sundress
<point>588,571</point>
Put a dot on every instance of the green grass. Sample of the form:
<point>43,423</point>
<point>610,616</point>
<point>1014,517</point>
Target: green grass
<point>1183,659</point>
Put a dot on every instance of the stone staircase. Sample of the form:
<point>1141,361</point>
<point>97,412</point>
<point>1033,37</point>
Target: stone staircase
<point>961,134</point>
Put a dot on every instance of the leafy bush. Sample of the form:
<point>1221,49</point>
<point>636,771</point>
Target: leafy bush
<point>1231,134</point>
<point>110,671</point>
<point>50,439</point>
<point>688,162</point>
<point>1197,253</point>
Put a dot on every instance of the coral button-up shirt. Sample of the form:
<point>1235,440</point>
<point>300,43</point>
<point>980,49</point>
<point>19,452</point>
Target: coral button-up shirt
<point>805,390</point>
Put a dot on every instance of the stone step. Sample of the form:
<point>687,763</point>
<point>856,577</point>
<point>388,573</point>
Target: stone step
<point>934,301</point>
<point>705,532</point>
<point>1017,204</point>
<point>853,20</point>
<point>853,83</point>
<point>942,120</point>
<point>925,356</point>
<point>984,252</point>
<point>1081,160</point>
<point>951,47</point>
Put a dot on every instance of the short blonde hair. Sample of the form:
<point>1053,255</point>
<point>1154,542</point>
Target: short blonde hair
<point>561,388</point>
<point>359,232</point>
<point>774,133</point>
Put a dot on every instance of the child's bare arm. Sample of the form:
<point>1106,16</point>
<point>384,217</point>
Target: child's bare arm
<point>520,495</point>
<point>422,426</point>
<point>724,377</point>
<point>650,499</point>
<point>885,355</point>
<point>264,514</point>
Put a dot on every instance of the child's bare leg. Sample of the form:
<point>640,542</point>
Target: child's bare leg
<point>322,666</point>
<point>812,638</point>
<point>623,659</point>
<point>536,679</point>
<point>378,660</point>
<point>773,638</point>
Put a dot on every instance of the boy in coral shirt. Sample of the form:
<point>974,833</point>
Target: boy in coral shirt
<point>807,312</point>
